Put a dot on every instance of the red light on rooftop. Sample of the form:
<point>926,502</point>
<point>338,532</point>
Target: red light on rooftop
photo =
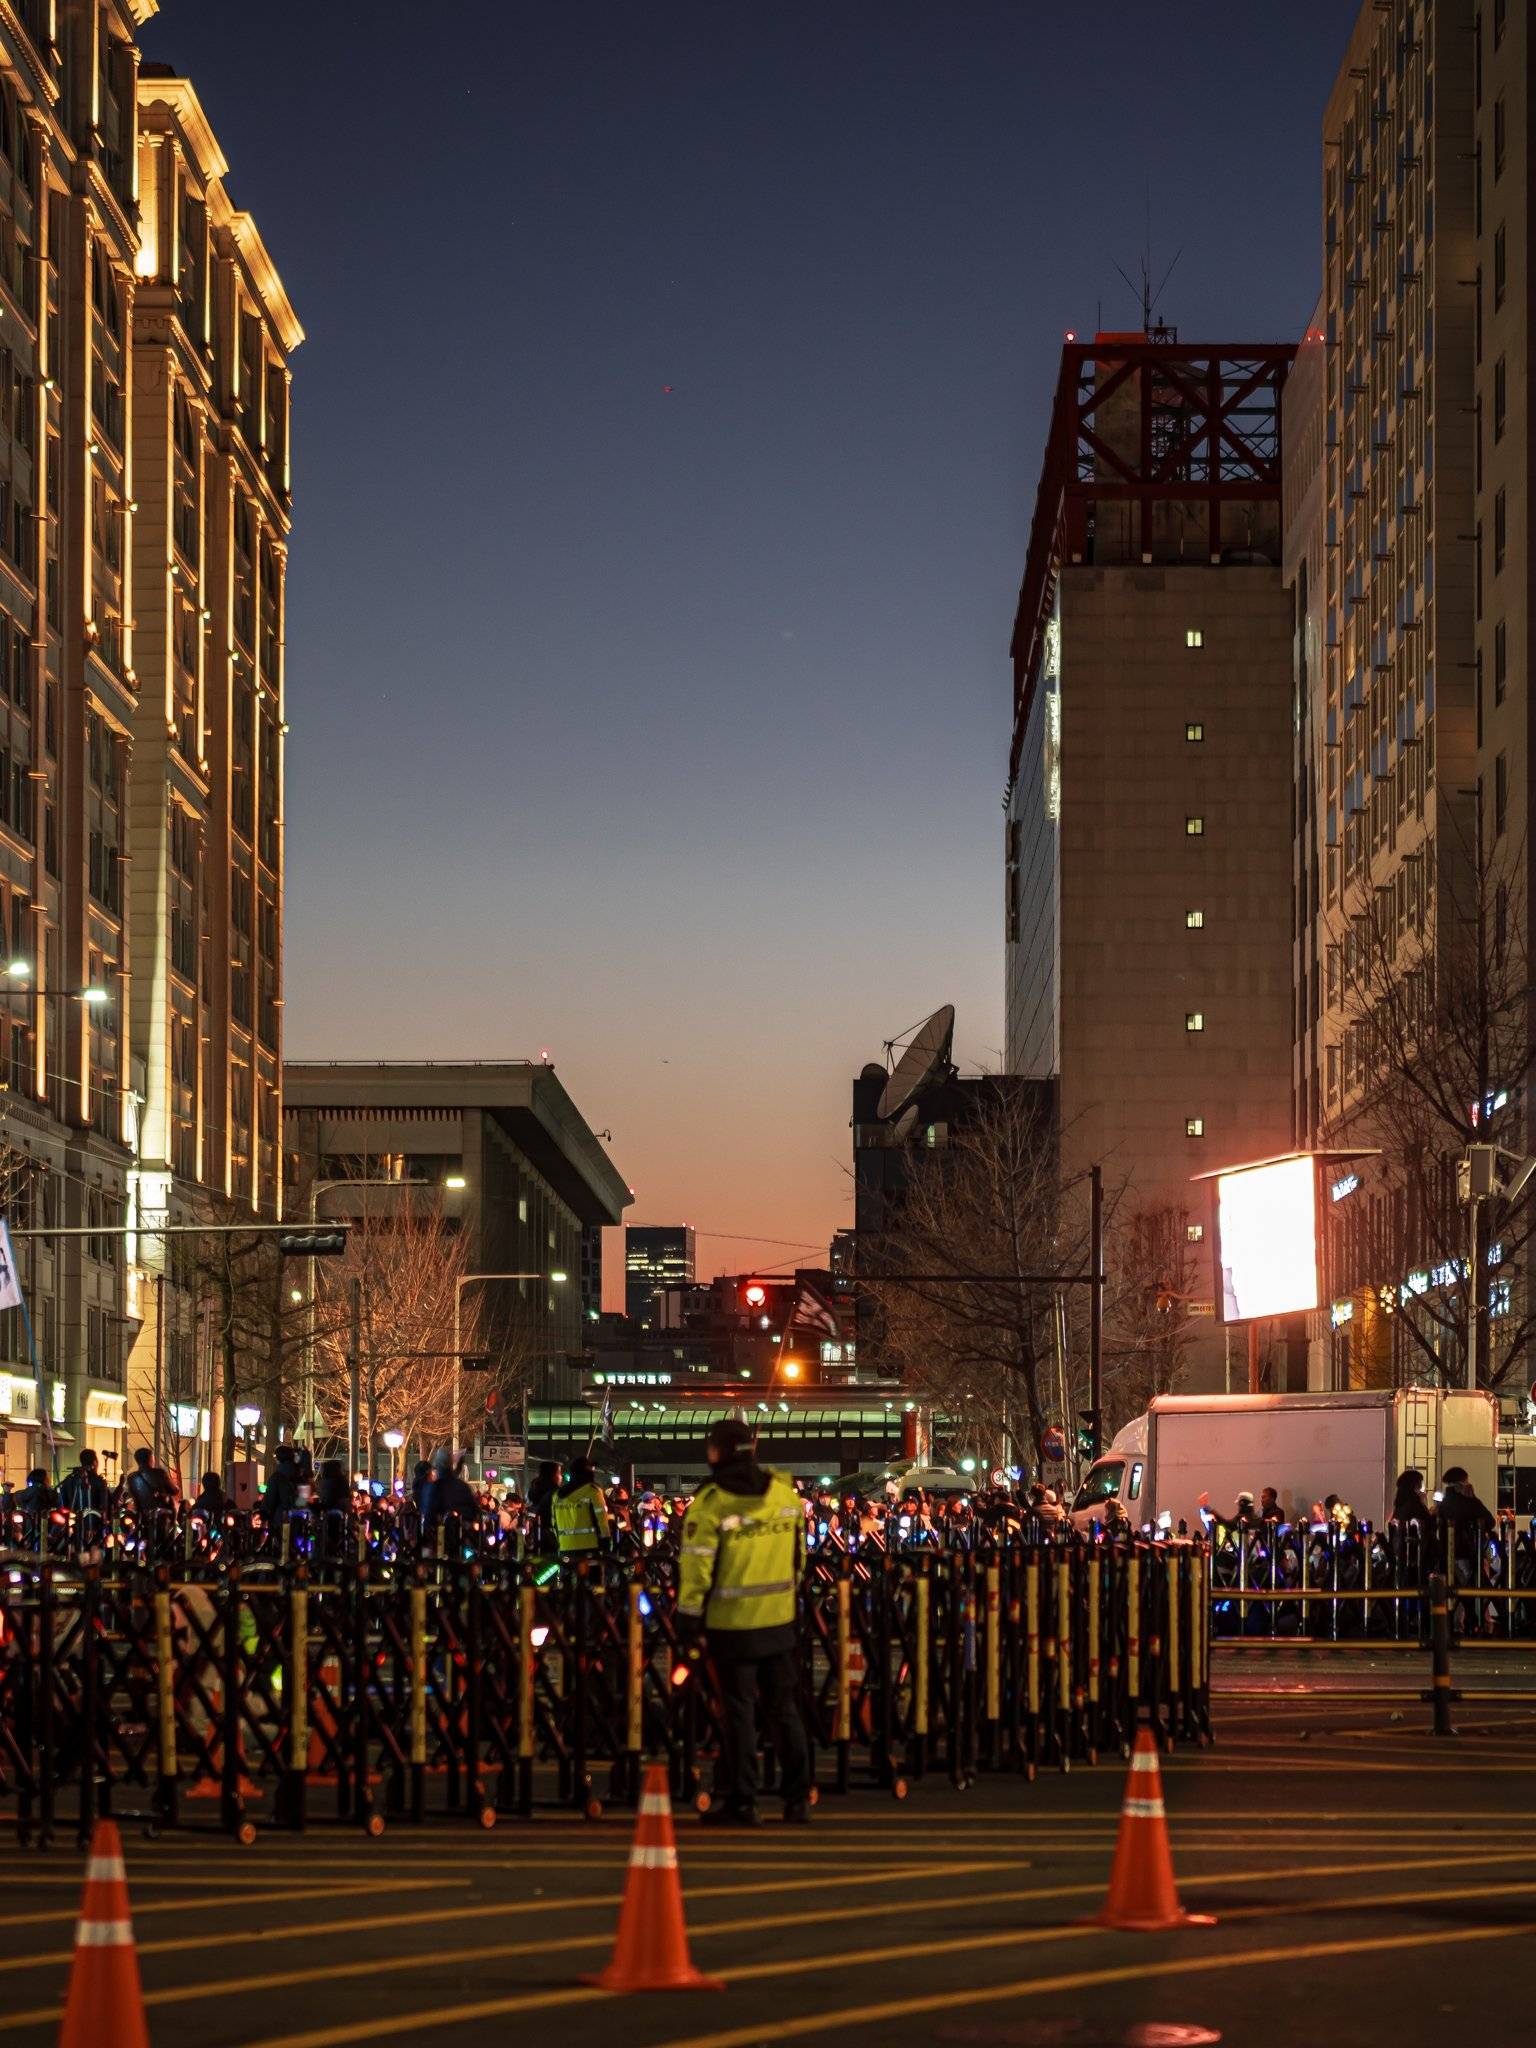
<point>1071,334</point>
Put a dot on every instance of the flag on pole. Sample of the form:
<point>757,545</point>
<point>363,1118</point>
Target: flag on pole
<point>608,1416</point>
<point>10,1283</point>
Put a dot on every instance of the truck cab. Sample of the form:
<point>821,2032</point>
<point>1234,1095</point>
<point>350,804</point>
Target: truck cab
<point>1118,1476</point>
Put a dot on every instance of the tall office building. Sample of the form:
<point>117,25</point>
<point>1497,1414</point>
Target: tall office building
<point>656,1255</point>
<point>1408,555</point>
<point>211,337</point>
<point>122,709</point>
<point>1147,861</point>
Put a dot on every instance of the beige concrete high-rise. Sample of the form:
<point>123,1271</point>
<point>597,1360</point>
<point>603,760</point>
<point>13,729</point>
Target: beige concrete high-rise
<point>1148,805</point>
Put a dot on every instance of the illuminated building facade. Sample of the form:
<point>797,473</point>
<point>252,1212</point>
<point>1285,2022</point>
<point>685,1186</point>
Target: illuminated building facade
<point>1147,856</point>
<point>1408,555</point>
<point>211,337</point>
<point>140,711</point>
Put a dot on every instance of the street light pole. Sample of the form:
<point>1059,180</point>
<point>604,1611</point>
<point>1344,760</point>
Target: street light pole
<point>459,1285</point>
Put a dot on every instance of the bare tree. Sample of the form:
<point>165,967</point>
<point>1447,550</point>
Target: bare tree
<point>1437,1054</point>
<point>984,1208</point>
<point>1154,1281</point>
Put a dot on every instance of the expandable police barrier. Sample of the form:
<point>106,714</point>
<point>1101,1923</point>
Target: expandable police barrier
<point>474,1693</point>
<point>1299,1581</point>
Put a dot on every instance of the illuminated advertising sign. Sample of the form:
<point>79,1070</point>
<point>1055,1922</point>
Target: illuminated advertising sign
<point>1266,1239</point>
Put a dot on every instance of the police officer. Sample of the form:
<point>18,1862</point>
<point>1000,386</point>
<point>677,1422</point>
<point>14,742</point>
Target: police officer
<point>582,1527</point>
<point>742,1552</point>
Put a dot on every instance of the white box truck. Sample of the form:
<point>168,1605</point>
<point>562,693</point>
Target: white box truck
<point>1306,1446</point>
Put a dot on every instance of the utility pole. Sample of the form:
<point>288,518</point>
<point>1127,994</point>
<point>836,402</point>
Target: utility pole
<point>354,1372</point>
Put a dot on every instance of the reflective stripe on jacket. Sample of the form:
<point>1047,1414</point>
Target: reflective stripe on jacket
<point>742,1554</point>
<point>581,1520</point>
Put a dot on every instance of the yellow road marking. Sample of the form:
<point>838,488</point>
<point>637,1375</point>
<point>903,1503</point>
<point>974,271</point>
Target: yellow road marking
<point>241,1936</point>
<point>359,1886</point>
<point>825,2022</point>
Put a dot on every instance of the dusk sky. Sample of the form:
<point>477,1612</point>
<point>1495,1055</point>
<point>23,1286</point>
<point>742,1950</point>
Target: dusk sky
<point>666,728</point>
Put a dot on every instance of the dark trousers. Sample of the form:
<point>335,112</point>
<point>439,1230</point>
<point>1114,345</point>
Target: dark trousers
<point>777,1678</point>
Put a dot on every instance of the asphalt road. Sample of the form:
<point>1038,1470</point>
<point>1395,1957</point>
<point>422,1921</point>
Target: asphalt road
<point>1371,1884</point>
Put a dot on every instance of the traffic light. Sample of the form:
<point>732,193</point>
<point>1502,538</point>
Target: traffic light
<point>1088,1433</point>
<point>312,1244</point>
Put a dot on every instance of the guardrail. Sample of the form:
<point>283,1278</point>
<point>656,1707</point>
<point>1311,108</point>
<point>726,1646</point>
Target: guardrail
<point>473,1694</point>
<point>1301,1582</point>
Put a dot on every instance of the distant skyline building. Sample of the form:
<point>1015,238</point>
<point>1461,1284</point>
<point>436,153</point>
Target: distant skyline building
<point>1147,857</point>
<point>500,1151</point>
<point>656,1256</point>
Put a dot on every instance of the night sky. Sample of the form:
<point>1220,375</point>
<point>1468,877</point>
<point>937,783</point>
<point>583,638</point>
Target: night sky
<point>666,729</point>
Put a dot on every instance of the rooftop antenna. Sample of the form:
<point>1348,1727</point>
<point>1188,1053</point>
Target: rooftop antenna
<point>1150,299</point>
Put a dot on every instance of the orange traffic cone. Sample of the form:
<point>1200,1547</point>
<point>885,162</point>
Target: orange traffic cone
<point>1142,1894</point>
<point>651,1952</point>
<point>106,2001</point>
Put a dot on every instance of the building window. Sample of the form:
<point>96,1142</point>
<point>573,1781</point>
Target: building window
<point>1194,1233</point>
<point>1500,266</point>
<point>1194,1020</point>
<point>1500,794</point>
<point>1194,1127</point>
<point>1500,400</point>
<point>1499,138</point>
<point>1193,637</point>
<point>1194,827</point>
<point>1500,662</point>
<point>1500,529</point>
<point>1195,920</point>
<point>1194,730</point>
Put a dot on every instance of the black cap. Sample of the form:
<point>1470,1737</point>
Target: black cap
<point>729,1436</point>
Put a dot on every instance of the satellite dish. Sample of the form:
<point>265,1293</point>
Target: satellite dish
<point>925,1061</point>
<point>906,1123</point>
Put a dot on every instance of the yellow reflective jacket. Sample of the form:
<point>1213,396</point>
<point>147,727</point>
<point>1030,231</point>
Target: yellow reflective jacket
<point>581,1520</point>
<point>742,1554</point>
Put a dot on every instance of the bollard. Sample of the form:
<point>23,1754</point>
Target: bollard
<point>1440,1650</point>
<point>923,1594</point>
<point>418,1696</point>
<point>526,1652</point>
<point>165,1694</point>
<point>634,1692</point>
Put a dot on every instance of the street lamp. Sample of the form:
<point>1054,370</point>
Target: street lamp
<point>556,1279</point>
<point>393,1439</point>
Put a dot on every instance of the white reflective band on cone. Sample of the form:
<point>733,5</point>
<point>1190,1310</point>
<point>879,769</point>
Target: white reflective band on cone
<point>105,1870</point>
<point>654,1803</point>
<point>1145,1760</point>
<point>104,1934</point>
<point>652,1859</point>
<point>1143,1809</point>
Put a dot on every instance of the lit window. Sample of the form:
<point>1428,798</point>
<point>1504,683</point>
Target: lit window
<point>1194,1020</point>
<point>1194,1127</point>
<point>1195,919</point>
<point>1194,827</point>
<point>1193,637</point>
<point>1194,730</point>
<point>1195,1232</point>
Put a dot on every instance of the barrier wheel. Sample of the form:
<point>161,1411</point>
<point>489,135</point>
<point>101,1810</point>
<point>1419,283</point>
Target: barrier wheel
<point>815,1795</point>
<point>487,1817</point>
<point>373,1826</point>
<point>245,1833</point>
<point>152,1831</point>
<point>899,1788</point>
<point>702,1803</point>
<point>593,1810</point>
